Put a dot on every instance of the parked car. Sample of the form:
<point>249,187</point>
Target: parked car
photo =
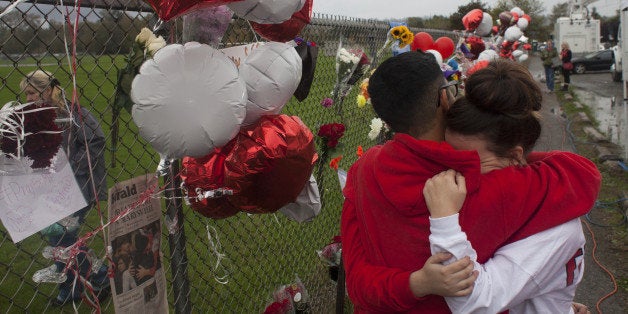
<point>595,61</point>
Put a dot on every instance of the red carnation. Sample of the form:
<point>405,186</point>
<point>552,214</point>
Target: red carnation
<point>38,146</point>
<point>331,132</point>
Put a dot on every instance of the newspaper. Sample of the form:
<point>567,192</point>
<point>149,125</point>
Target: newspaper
<point>139,282</point>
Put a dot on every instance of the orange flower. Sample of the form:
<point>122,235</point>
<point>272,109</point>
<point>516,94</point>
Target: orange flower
<point>333,164</point>
<point>360,151</point>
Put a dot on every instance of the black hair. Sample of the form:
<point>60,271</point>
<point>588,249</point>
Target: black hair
<point>404,91</point>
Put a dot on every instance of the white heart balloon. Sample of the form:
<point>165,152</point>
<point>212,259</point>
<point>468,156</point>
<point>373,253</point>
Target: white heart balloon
<point>488,55</point>
<point>517,10</point>
<point>437,55</point>
<point>523,57</point>
<point>522,24</point>
<point>272,73</point>
<point>517,53</point>
<point>266,11</point>
<point>189,99</point>
<point>513,33</point>
<point>486,26</point>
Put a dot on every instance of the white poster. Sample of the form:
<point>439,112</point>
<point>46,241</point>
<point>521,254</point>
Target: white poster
<point>31,202</point>
<point>239,53</point>
<point>139,282</point>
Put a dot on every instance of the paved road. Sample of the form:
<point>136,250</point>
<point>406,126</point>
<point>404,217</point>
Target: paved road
<point>596,283</point>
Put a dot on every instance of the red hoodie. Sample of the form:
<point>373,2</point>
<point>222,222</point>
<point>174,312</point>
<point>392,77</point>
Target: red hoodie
<point>385,226</point>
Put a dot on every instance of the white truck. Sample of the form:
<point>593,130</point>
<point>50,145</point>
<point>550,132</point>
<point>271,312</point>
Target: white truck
<point>619,70</point>
<point>582,35</point>
<point>579,30</point>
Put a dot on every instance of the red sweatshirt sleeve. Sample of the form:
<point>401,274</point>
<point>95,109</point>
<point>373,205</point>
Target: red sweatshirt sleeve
<point>516,202</point>
<point>370,287</point>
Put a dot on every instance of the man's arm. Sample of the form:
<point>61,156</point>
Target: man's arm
<point>380,288</point>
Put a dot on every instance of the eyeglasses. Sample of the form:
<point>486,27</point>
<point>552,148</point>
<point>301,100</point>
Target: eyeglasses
<point>451,87</point>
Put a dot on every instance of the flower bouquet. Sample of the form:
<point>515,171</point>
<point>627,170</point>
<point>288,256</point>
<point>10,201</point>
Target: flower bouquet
<point>28,135</point>
<point>292,298</point>
<point>331,255</point>
<point>351,65</point>
<point>145,46</point>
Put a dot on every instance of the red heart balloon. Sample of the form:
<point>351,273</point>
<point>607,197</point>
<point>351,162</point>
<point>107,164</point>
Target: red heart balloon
<point>289,29</point>
<point>266,166</point>
<point>422,41</point>
<point>445,46</point>
<point>472,20</point>
<point>205,174</point>
<point>169,9</point>
<point>270,164</point>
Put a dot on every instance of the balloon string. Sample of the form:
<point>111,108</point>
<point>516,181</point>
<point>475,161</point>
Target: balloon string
<point>214,248</point>
<point>252,30</point>
<point>10,8</point>
<point>158,25</point>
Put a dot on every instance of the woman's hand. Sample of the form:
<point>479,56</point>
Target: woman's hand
<point>445,193</point>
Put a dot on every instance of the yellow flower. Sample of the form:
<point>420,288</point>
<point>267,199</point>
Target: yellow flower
<point>406,39</point>
<point>361,100</point>
<point>397,31</point>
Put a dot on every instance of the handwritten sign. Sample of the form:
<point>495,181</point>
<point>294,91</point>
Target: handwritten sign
<point>238,54</point>
<point>31,202</point>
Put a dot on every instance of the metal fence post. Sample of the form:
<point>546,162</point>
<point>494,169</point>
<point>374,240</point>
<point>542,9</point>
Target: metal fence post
<point>176,241</point>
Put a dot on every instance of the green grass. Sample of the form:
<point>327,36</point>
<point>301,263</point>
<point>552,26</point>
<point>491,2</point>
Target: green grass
<point>262,251</point>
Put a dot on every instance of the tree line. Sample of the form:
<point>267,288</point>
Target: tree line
<point>100,32</point>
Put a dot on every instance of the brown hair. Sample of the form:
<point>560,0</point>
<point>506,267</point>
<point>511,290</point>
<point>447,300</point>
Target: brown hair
<point>501,105</point>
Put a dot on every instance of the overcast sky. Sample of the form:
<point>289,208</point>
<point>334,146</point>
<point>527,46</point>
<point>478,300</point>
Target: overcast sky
<point>399,9</point>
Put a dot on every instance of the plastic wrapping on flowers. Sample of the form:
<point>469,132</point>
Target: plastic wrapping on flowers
<point>351,63</point>
<point>292,298</point>
<point>30,138</point>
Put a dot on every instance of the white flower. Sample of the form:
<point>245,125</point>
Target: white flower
<point>154,44</point>
<point>144,35</point>
<point>347,57</point>
<point>376,128</point>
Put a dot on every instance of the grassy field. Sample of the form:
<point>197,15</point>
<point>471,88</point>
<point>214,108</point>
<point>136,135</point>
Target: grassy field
<point>263,251</point>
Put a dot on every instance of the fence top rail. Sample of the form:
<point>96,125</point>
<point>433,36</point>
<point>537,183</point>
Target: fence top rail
<point>127,5</point>
<point>320,19</point>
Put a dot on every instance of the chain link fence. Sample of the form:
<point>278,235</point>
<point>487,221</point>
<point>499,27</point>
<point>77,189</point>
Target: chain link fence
<point>258,253</point>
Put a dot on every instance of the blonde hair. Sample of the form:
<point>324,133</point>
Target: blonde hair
<point>41,80</point>
<point>564,45</point>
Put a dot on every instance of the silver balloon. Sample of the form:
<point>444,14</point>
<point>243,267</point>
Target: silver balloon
<point>522,23</point>
<point>486,26</point>
<point>488,55</point>
<point>272,73</point>
<point>188,99</point>
<point>266,11</point>
<point>513,33</point>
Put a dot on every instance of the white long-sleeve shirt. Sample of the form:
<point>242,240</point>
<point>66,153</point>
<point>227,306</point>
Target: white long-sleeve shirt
<point>537,274</point>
